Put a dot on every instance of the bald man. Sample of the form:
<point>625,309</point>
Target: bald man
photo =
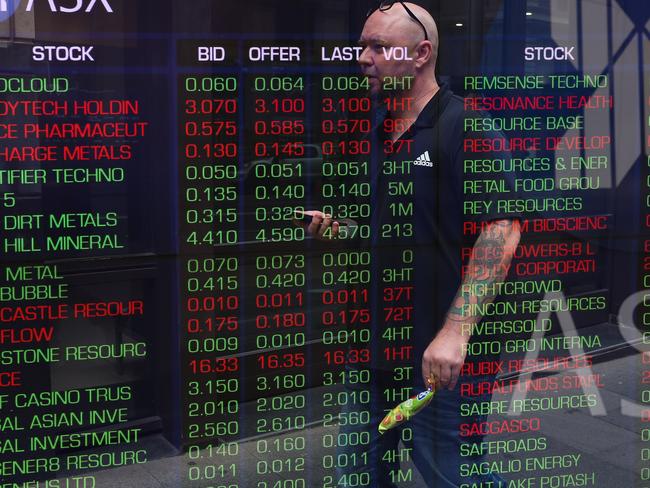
<point>393,27</point>
<point>424,125</point>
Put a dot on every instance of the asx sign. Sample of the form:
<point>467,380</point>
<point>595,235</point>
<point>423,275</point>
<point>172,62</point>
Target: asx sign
<point>9,7</point>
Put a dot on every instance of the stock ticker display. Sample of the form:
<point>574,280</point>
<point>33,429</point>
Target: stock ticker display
<point>173,315</point>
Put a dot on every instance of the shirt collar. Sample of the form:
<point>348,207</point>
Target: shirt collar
<point>432,110</point>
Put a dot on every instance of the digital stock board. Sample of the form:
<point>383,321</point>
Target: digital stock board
<point>300,244</point>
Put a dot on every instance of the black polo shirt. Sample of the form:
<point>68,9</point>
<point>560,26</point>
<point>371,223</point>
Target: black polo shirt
<point>420,212</point>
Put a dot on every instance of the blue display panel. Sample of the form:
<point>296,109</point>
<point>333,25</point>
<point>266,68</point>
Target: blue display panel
<point>237,235</point>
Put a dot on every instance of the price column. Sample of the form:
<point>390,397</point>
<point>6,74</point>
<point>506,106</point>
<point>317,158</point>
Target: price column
<point>208,156</point>
<point>208,152</point>
<point>345,128</point>
<point>344,319</point>
<point>345,355</point>
<point>280,363</point>
<point>277,164</point>
<point>277,160</point>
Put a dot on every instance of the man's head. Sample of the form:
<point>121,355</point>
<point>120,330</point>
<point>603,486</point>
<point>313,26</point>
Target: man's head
<point>392,26</point>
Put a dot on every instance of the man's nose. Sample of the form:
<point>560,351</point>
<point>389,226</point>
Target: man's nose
<point>365,59</point>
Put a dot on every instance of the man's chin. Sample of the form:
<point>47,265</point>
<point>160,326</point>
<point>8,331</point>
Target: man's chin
<point>375,86</point>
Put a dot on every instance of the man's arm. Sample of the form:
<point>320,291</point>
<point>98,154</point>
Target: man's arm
<point>488,265</point>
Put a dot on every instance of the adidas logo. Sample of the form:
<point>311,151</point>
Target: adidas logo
<point>423,160</point>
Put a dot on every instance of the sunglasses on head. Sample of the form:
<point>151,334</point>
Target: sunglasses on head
<point>387,4</point>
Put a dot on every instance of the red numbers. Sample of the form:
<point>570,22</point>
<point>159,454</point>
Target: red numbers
<point>346,126</point>
<point>208,128</point>
<point>217,365</point>
<point>347,356</point>
<point>210,304</point>
<point>212,324</point>
<point>280,320</point>
<point>351,104</point>
<point>280,105</point>
<point>276,149</point>
<point>277,361</point>
<point>346,317</point>
<point>645,380</point>
<point>397,293</point>
<point>346,148</point>
<point>279,127</point>
<point>207,107</point>
<point>344,296</point>
<point>278,300</point>
<point>397,125</point>
<point>215,150</point>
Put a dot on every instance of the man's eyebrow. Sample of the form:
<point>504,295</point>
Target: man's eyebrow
<point>371,40</point>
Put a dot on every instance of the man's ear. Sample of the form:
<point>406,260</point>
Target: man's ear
<point>423,53</point>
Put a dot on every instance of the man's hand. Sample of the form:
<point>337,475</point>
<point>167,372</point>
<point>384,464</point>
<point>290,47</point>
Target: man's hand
<point>489,264</point>
<point>319,224</point>
<point>445,355</point>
